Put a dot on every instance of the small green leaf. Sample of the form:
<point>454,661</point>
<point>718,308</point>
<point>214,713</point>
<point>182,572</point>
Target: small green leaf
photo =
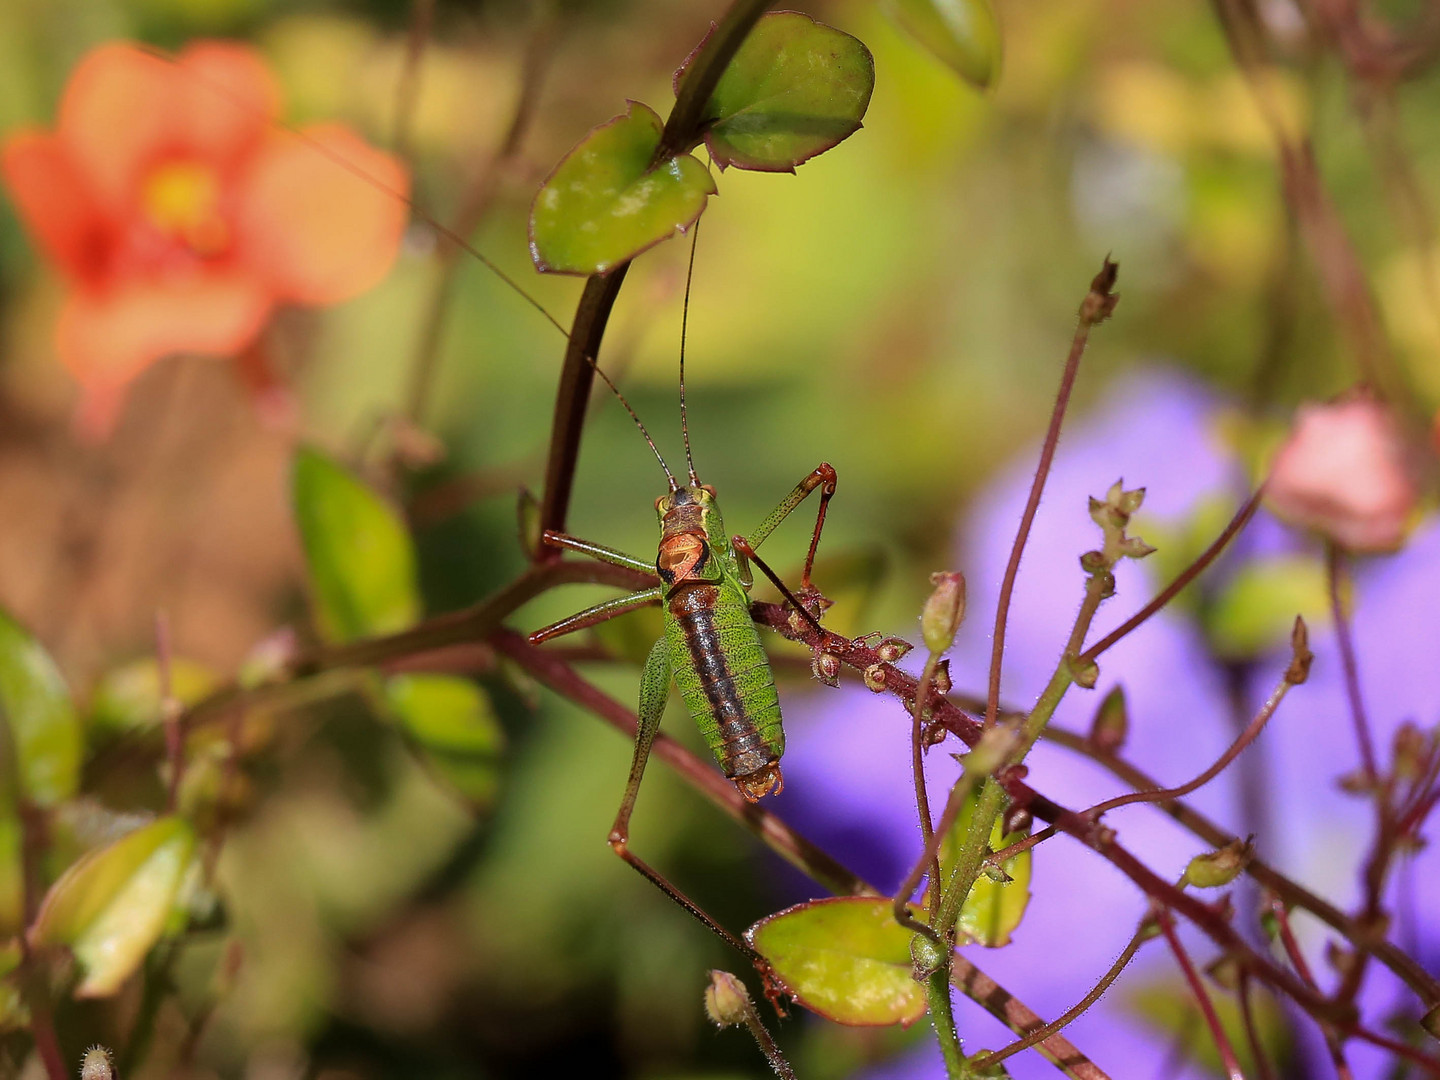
<point>795,89</point>
<point>845,958</point>
<point>127,698</point>
<point>993,909</point>
<point>359,554</point>
<point>1256,610</point>
<point>451,722</point>
<point>112,905</point>
<point>962,34</point>
<point>35,704</point>
<point>608,199</point>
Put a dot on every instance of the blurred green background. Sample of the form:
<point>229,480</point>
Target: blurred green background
<point>900,308</point>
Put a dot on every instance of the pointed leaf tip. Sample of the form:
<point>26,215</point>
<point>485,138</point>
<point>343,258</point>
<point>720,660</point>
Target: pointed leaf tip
<point>358,553</point>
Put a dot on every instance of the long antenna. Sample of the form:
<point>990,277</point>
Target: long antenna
<point>684,325</point>
<point>633,416</point>
<point>360,174</point>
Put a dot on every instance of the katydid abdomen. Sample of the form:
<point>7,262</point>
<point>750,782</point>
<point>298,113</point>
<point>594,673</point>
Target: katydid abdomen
<point>723,675</point>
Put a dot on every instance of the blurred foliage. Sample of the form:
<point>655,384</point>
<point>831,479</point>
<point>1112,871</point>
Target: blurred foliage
<point>898,308</point>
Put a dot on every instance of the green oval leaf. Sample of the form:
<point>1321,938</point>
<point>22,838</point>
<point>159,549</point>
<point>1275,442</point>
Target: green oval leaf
<point>358,552</point>
<point>451,723</point>
<point>994,908</point>
<point>845,958</point>
<point>962,34</point>
<point>113,904</point>
<point>795,88</point>
<point>44,729</point>
<point>608,199</point>
<point>12,876</point>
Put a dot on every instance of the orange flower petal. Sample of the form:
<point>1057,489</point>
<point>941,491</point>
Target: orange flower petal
<point>312,228</point>
<point>54,200</point>
<point>107,339</point>
<point>123,108</point>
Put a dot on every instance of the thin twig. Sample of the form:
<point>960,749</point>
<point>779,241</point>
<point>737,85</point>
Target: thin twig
<point>1099,302</point>
<point>1189,574</point>
<point>1202,998</point>
<point>1141,935</point>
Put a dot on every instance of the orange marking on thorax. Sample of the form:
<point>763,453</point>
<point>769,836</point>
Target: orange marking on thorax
<point>679,555</point>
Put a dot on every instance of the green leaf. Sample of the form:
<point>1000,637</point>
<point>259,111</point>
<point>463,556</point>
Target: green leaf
<point>993,909</point>
<point>608,200</point>
<point>127,698</point>
<point>1256,610</point>
<point>451,723</point>
<point>845,958</point>
<point>359,554</point>
<point>962,34</point>
<point>1168,1007</point>
<point>795,88</point>
<point>44,729</point>
<point>112,905</point>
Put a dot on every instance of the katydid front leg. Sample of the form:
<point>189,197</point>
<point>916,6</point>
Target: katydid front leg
<point>606,609</point>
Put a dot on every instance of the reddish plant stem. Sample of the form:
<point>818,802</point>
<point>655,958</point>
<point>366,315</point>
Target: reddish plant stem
<point>682,128</point>
<point>1090,833</point>
<point>1244,739</point>
<point>1252,1036</point>
<point>1337,584</point>
<point>1202,998</point>
<point>1403,965</point>
<point>1098,304</point>
<point>779,837</point>
<point>1075,1011</point>
<point>1164,596</point>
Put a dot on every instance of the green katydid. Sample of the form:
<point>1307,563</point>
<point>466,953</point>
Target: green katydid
<point>710,647</point>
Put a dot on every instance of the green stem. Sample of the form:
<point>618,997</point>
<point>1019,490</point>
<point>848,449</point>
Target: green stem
<point>971,856</point>
<point>942,1015</point>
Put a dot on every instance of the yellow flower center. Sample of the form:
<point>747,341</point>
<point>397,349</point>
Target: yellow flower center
<point>182,200</point>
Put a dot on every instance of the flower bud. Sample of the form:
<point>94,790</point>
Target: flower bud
<point>97,1065</point>
<point>892,649</point>
<point>826,667</point>
<point>1216,868</point>
<point>726,999</point>
<point>874,676</point>
<point>1111,723</point>
<point>1345,472</point>
<point>944,611</point>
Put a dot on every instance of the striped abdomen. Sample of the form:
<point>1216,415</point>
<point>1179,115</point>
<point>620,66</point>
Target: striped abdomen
<point>724,676</point>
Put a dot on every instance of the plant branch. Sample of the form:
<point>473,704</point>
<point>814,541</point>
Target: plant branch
<point>1098,304</point>
<point>1142,934</point>
<point>1202,997</point>
<point>682,128</point>
<point>1189,574</point>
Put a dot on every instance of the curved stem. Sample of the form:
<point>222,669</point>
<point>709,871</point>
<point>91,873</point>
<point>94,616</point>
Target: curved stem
<point>682,128</point>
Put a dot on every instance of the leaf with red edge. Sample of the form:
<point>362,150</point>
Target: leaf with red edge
<point>845,958</point>
<point>795,88</point>
<point>609,199</point>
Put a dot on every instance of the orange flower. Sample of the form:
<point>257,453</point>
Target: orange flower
<point>180,215</point>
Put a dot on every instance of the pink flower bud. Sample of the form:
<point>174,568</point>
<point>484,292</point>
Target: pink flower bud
<point>1344,472</point>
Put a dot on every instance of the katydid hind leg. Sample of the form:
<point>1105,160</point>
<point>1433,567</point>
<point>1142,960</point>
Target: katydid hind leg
<point>654,691</point>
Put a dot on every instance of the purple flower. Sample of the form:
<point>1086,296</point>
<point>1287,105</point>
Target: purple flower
<point>848,769</point>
